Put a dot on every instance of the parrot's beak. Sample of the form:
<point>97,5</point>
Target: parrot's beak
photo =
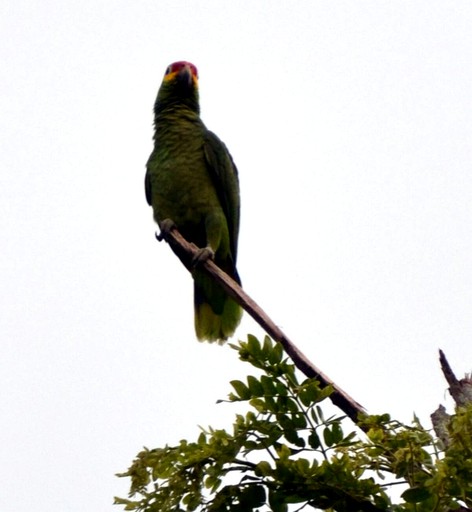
<point>185,75</point>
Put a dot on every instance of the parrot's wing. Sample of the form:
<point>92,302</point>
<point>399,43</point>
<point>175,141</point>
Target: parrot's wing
<point>224,175</point>
<point>147,188</point>
<point>147,178</point>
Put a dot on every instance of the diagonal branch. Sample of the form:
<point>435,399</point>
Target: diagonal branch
<point>186,251</point>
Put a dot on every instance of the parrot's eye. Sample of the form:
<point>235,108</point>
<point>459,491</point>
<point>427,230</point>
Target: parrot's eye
<point>168,70</point>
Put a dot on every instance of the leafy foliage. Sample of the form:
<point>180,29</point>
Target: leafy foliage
<point>283,454</point>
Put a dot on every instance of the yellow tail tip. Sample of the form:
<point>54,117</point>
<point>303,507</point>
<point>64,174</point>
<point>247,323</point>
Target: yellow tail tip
<point>212,327</point>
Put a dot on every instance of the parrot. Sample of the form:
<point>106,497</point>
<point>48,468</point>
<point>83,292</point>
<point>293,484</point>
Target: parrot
<point>192,184</point>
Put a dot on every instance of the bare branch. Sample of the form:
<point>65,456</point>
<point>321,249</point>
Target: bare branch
<point>440,420</point>
<point>460,390</point>
<point>186,251</point>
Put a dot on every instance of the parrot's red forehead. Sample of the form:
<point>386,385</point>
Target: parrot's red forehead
<point>177,66</point>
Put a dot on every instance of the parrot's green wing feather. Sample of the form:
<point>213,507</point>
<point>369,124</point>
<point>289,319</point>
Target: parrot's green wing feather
<point>147,188</point>
<point>224,175</point>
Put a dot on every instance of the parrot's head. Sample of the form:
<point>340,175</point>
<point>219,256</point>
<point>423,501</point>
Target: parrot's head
<point>182,71</point>
<point>179,86</point>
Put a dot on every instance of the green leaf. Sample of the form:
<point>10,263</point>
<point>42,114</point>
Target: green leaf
<point>268,385</point>
<point>267,346</point>
<point>281,388</point>
<point>129,505</point>
<point>253,345</point>
<point>275,356</point>
<point>212,482</point>
<point>303,466</point>
<point>259,404</point>
<point>314,440</point>
<point>328,436</point>
<point>277,501</point>
<point>299,421</point>
<point>293,437</point>
<point>255,387</point>
<point>416,495</point>
<point>324,393</point>
<point>309,393</point>
<point>263,468</point>
<point>252,497</point>
<point>284,452</point>
<point>271,405</point>
<point>349,439</point>
<point>241,389</point>
<point>314,416</point>
<point>337,433</point>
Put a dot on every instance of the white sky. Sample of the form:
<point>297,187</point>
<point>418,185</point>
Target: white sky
<point>350,123</point>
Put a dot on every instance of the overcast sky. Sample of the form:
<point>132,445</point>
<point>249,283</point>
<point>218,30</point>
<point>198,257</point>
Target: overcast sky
<point>350,123</point>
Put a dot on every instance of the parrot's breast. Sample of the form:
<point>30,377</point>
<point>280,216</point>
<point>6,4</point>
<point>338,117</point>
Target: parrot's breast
<point>181,186</point>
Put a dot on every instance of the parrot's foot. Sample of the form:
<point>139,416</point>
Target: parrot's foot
<point>207,253</point>
<point>167,225</point>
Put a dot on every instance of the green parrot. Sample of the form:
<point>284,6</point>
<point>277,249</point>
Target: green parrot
<point>192,183</point>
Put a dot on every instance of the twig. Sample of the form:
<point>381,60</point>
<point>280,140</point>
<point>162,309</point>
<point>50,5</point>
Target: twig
<point>186,251</point>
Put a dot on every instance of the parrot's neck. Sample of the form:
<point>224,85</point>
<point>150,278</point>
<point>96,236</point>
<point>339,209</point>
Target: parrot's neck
<point>171,105</point>
<point>177,123</point>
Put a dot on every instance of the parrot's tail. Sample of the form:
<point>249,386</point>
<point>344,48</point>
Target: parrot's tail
<point>216,314</point>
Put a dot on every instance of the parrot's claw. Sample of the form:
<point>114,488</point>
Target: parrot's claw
<point>207,253</point>
<point>167,225</point>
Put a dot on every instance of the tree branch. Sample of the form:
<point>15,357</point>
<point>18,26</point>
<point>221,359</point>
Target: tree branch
<point>460,390</point>
<point>186,251</point>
